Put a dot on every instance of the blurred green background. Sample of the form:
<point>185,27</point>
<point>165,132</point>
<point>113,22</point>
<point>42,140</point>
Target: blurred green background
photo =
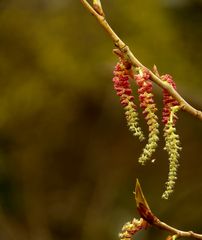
<point>68,164</point>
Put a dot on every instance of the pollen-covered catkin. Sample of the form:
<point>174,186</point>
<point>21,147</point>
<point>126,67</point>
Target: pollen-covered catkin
<point>172,142</point>
<point>130,228</point>
<point>124,91</point>
<point>146,99</point>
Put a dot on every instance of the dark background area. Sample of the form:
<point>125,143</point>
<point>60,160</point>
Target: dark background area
<point>68,163</point>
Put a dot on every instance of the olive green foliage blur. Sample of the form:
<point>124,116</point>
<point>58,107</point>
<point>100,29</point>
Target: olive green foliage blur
<point>67,161</point>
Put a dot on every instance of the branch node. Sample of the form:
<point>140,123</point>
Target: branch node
<point>118,52</point>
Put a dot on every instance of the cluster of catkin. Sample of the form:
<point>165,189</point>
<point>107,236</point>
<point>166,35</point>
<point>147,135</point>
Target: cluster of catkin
<point>123,73</point>
<point>130,228</point>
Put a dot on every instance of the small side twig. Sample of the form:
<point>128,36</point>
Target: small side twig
<point>100,16</point>
<point>146,213</point>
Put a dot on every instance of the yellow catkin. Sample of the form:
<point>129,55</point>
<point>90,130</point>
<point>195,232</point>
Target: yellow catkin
<point>172,146</point>
<point>130,228</point>
<point>133,120</point>
<point>152,122</point>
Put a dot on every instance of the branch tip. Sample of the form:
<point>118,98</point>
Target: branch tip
<point>98,7</point>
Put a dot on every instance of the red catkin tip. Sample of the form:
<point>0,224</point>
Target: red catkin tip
<point>122,75</point>
<point>121,82</point>
<point>168,100</point>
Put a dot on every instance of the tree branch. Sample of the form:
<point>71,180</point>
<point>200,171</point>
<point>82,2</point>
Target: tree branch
<point>136,63</point>
<point>146,213</point>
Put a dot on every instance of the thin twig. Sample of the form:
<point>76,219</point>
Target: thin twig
<point>136,63</point>
<point>146,213</point>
